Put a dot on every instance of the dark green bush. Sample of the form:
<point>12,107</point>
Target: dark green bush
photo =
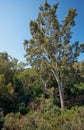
<point>1,119</point>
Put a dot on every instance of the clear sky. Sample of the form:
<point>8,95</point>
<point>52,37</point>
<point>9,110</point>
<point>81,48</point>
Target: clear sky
<point>15,16</point>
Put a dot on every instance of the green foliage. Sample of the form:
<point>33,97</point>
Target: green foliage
<point>29,97</point>
<point>4,56</point>
<point>71,119</point>
<point>22,108</point>
<point>10,88</point>
<point>25,105</point>
<point>31,82</point>
<point>1,118</point>
<point>11,122</point>
<point>50,49</point>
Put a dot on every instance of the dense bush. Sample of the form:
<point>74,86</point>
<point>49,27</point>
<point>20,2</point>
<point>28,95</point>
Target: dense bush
<point>52,119</point>
<point>12,121</point>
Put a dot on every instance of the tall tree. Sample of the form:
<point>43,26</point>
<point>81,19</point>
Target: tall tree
<point>50,43</point>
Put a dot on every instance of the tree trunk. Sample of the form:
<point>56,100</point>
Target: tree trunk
<point>61,94</point>
<point>44,86</point>
<point>61,89</point>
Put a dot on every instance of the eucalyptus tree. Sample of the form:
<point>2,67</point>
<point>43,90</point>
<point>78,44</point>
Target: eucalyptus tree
<point>50,43</point>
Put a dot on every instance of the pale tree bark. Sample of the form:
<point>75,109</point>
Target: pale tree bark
<point>61,94</point>
<point>61,89</point>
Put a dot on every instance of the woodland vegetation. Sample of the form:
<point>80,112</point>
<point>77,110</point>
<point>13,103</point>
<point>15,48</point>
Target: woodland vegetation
<point>50,94</point>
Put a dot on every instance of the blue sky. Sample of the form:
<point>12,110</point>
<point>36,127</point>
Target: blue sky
<point>15,16</point>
